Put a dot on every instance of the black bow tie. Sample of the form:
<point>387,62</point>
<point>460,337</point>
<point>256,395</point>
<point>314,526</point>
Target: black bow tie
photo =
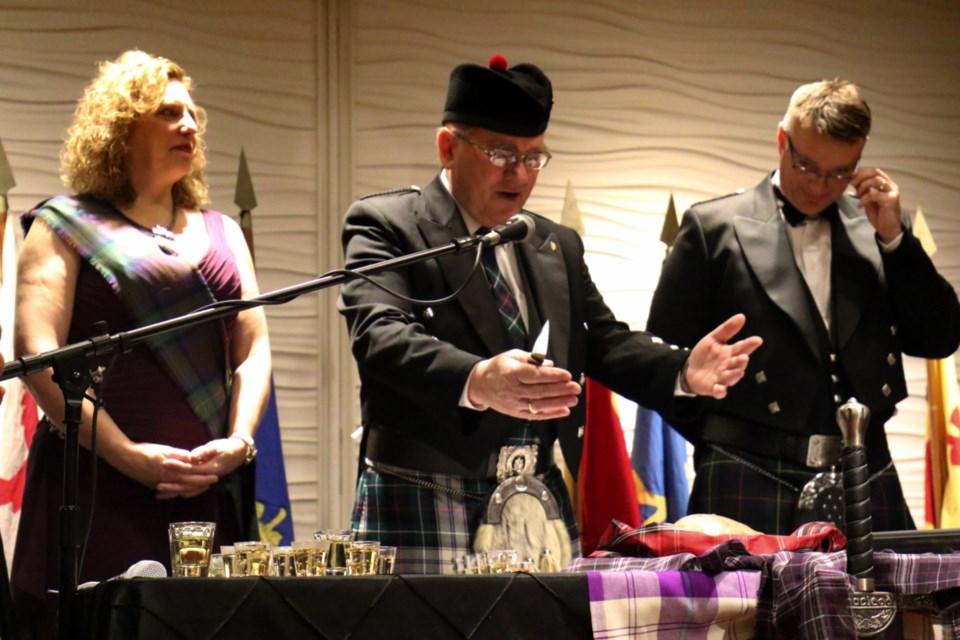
<point>795,217</point>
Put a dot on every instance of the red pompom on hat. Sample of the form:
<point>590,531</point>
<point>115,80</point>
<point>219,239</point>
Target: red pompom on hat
<point>513,100</point>
<point>497,62</point>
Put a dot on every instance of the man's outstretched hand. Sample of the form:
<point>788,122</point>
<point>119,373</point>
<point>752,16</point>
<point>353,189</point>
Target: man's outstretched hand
<point>715,364</point>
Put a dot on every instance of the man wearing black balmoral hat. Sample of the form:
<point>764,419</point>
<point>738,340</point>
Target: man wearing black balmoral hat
<point>444,387</point>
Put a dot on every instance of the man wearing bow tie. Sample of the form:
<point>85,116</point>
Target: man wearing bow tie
<point>445,386</point>
<point>825,266</point>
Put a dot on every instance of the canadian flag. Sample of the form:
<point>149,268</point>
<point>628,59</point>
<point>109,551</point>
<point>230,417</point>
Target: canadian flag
<point>18,411</point>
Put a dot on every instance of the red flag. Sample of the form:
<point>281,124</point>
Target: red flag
<point>606,487</point>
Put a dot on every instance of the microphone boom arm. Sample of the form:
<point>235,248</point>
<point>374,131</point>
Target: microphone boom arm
<point>125,341</point>
<point>73,376</point>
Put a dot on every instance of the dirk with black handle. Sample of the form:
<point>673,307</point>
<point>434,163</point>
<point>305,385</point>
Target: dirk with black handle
<point>872,610</point>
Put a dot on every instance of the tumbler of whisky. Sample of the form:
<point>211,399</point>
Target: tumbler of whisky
<point>190,546</point>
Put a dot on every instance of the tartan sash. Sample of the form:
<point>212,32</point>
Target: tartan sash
<point>153,286</point>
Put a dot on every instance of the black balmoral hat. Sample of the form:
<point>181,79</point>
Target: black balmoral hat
<point>515,101</point>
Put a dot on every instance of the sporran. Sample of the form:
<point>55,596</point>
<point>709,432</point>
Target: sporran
<point>522,514</point>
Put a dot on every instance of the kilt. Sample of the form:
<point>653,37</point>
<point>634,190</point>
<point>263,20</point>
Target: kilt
<point>432,527</point>
<point>726,486</point>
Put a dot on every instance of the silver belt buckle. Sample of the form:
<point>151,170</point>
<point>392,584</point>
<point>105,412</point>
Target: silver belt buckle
<point>516,460</point>
<point>823,451</point>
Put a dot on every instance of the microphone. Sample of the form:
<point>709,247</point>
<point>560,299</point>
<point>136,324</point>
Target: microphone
<point>142,569</point>
<point>518,228</point>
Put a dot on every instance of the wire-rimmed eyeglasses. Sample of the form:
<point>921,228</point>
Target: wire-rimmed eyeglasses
<point>500,158</point>
<point>807,169</point>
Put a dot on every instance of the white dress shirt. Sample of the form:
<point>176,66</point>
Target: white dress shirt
<point>813,250</point>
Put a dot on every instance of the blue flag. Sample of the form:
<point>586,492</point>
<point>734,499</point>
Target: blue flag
<point>273,499</point>
<point>658,457</point>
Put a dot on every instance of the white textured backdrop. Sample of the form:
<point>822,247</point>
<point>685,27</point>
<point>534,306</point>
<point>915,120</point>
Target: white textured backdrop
<point>335,99</point>
<point>682,98</point>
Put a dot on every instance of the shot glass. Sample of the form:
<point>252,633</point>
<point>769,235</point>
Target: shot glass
<point>503,561</point>
<point>282,562</point>
<point>190,546</point>
<point>387,560</point>
<point>339,541</point>
<point>226,551</point>
<point>216,569</point>
<point>469,564</point>
<point>310,557</point>
<point>482,559</point>
<point>251,558</point>
<point>362,556</point>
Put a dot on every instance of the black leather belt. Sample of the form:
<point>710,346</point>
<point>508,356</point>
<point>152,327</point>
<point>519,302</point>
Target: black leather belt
<point>816,451</point>
<point>403,451</point>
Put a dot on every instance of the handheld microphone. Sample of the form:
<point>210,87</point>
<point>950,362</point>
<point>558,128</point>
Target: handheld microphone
<point>519,228</point>
<point>141,569</point>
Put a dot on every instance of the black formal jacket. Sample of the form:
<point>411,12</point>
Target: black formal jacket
<point>733,255</point>
<point>414,361</point>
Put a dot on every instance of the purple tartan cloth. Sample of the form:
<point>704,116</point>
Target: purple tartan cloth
<point>673,604</point>
<point>800,595</point>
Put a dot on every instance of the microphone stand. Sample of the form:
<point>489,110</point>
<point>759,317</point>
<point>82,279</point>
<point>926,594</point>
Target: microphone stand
<point>72,374</point>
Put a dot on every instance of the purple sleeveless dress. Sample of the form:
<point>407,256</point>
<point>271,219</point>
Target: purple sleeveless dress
<point>129,523</point>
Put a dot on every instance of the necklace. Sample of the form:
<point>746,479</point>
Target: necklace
<point>164,237</point>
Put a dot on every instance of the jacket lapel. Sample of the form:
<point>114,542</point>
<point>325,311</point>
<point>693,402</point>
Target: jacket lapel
<point>856,269</point>
<point>766,246</point>
<point>548,283</point>
<point>440,224</point>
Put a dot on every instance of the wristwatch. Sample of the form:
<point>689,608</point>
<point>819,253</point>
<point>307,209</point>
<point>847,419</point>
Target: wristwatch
<point>251,447</point>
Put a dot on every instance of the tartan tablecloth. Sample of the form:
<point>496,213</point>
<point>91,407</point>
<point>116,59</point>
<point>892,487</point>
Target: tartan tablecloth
<point>673,604</point>
<point>786,594</point>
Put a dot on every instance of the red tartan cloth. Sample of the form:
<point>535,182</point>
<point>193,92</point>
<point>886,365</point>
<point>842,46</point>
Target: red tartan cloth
<point>659,539</point>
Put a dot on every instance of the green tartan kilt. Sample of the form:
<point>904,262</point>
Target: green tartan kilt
<point>728,487</point>
<point>432,527</point>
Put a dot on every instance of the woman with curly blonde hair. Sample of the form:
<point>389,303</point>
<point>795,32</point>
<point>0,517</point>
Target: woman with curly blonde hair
<point>98,141</point>
<point>131,247</point>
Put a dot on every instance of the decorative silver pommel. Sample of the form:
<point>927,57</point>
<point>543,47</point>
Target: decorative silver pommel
<point>853,419</point>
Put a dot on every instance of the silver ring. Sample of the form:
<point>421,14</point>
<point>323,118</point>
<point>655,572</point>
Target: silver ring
<point>530,407</point>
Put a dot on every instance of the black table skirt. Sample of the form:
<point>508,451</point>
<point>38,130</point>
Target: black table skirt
<point>515,606</point>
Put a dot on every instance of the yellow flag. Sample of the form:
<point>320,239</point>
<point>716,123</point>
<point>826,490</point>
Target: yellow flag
<point>943,445</point>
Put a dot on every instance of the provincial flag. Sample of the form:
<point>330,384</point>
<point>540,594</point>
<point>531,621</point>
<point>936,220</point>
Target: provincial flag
<point>273,500</point>
<point>659,456</point>
<point>274,514</point>
<point>942,472</point>
<point>942,487</point>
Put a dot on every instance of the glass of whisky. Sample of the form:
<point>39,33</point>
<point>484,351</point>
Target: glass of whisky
<point>190,546</point>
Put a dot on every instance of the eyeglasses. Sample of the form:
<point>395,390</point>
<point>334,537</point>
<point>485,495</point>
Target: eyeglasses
<point>501,158</point>
<point>806,168</point>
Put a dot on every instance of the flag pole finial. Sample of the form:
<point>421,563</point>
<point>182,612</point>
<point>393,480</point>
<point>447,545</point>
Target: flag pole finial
<point>245,198</point>
<point>668,233</point>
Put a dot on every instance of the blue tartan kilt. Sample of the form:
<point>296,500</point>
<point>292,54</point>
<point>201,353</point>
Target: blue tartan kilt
<point>726,486</point>
<point>431,527</point>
